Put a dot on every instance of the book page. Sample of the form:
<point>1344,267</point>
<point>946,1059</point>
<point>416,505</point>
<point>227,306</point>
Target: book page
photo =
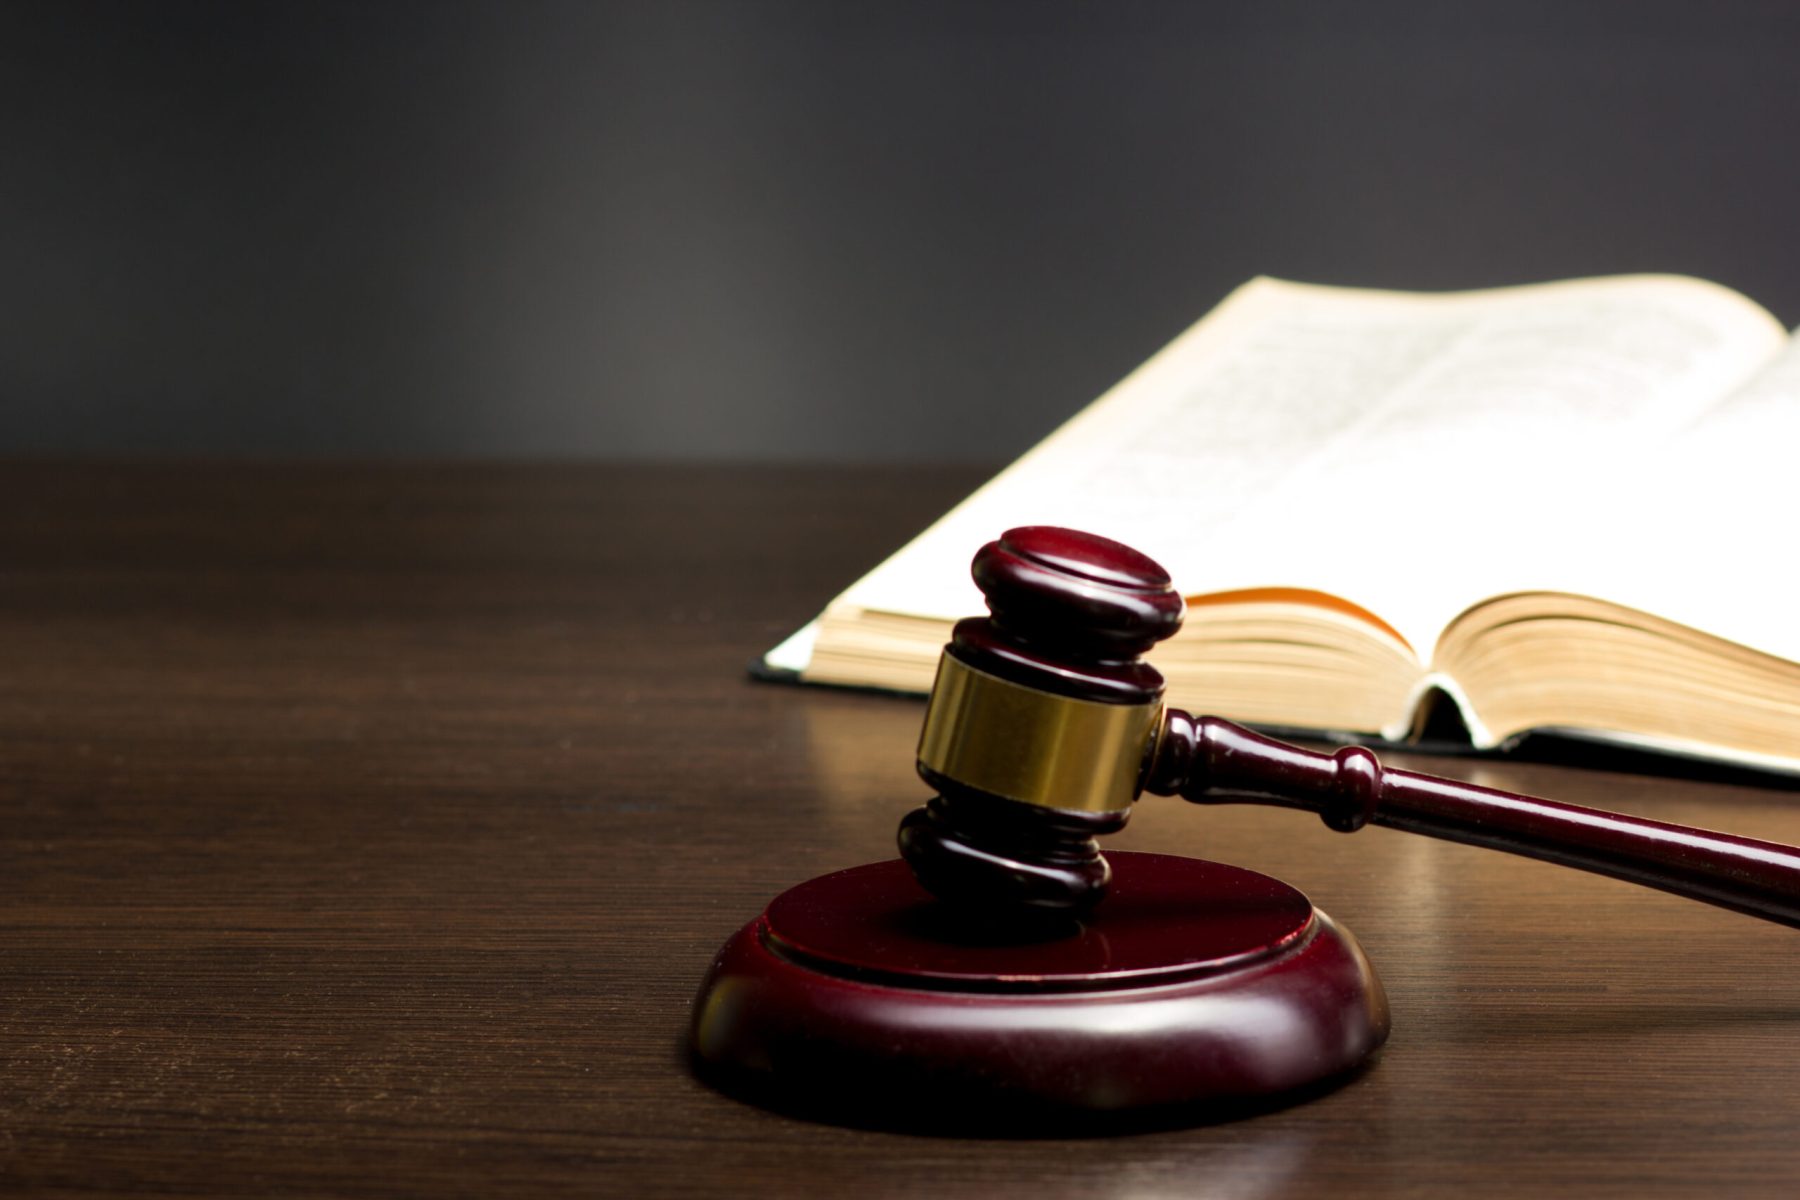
<point>1377,445</point>
<point>1702,528</point>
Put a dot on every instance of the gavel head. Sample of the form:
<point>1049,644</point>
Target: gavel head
<point>1040,723</point>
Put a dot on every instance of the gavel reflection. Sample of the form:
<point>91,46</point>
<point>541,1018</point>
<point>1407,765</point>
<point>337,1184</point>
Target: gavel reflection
<point>1045,725</point>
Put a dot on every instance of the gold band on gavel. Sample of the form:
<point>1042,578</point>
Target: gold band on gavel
<point>1014,741</point>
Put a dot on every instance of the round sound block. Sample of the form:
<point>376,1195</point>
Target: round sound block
<point>1194,983</point>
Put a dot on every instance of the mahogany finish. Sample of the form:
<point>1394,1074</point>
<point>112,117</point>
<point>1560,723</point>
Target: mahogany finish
<point>1070,613</point>
<point>1089,601</point>
<point>1210,761</point>
<point>1199,984</point>
<point>367,829</point>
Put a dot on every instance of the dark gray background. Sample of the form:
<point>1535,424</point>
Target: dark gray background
<point>785,230</point>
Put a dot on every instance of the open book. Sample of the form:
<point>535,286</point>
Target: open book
<point>1567,506</point>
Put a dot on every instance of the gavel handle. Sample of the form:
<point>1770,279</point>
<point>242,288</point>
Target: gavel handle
<point>1212,761</point>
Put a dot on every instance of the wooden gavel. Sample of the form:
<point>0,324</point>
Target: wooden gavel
<point>1045,725</point>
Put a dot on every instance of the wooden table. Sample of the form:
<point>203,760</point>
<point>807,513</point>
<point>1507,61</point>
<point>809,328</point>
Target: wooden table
<point>367,829</point>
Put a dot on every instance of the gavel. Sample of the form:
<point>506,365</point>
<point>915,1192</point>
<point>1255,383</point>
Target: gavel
<point>1045,725</point>
<point>1200,988</point>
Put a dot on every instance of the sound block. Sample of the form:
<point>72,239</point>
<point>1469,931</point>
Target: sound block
<point>1195,985</point>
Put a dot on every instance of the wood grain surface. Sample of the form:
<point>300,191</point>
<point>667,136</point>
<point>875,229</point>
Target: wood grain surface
<point>365,831</point>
